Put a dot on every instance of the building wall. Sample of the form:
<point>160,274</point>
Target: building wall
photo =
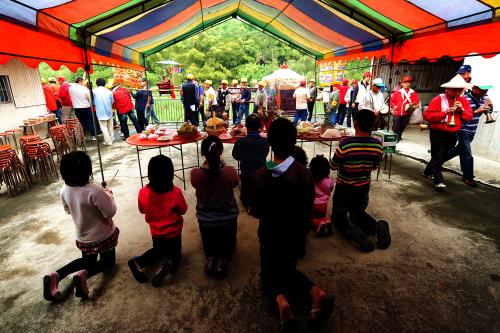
<point>28,99</point>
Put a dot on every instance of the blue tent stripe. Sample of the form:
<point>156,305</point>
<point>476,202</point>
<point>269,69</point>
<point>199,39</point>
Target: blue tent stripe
<point>150,20</point>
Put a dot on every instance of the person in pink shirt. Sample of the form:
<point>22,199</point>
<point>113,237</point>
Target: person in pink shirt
<point>163,205</point>
<point>323,184</point>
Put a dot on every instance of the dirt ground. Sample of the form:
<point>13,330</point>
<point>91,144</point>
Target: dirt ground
<point>441,273</point>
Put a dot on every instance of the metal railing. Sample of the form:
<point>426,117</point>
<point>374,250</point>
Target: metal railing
<point>171,110</point>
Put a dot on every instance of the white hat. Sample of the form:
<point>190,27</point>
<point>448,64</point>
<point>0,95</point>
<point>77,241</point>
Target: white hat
<point>457,82</point>
<point>378,82</point>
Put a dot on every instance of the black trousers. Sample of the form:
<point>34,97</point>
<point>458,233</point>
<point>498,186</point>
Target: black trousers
<point>341,113</point>
<point>399,124</point>
<point>352,200</point>
<point>441,143</point>
<point>89,263</point>
<point>141,119</point>
<point>310,109</point>
<point>279,274</point>
<point>235,108</point>
<point>84,116</point>
<point>247,186</point>
<point>219,241</point>
<point>163,248</point>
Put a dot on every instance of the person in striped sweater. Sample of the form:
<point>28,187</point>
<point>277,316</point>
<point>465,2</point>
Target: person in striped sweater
<point>163,205</point>
<point>480,103</point>
<point>355,159</point>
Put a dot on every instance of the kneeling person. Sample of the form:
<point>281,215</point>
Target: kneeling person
<point>355,158</point>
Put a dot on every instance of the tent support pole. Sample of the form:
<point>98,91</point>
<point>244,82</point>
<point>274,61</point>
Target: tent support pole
<point>92,106</point>
<point>147,87</point>
<point>391,64</point>
<point>316,83</point>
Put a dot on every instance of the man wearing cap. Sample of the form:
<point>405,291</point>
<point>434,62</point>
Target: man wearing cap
<point>223,99</point>
<point>465,71</point>
<point>374,101</point>
<point>445,115</point>
<point>403,102</point>
<point>235,93</point>
<point>50,99</point>
<point>342,101</point>
<point>55,90</point>
<point>302,96</point>
<point>313,92</point>
<point>143,101</point>
<point>210,99</point>
<point>67,106</point>
<point>261,105</point>
<point>190,100</point>
<point>480,103</point>
<point>350,98</point>
<point>245,96</point>
<point>363,88</point>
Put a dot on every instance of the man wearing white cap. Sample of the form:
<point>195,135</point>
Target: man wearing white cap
<point>210,99</point>
<point>374,101</point>
<point>445,115</point>
<point>480,103</point>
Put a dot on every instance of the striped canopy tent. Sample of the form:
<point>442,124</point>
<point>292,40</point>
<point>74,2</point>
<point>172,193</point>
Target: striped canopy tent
<point>123,33</point>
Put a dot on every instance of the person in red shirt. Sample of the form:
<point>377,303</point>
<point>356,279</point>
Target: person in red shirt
<point>163,205</point>
<point>50,100</point>
<point>125,108</point>
<point>63,95</point>
<point>341,113</point>
<point>445,115</point>
<point>403,102</point>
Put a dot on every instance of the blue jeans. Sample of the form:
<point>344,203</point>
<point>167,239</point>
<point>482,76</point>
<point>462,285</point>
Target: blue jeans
<point>244,109</point>
<point>332,117</point>
<point>124,125</point>
<point>300,115</point>
<point>463,149</point>
<point>151,115</point>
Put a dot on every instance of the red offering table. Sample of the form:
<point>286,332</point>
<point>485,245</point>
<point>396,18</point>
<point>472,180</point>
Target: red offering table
<point>176,143</point>
<point>324,141</point>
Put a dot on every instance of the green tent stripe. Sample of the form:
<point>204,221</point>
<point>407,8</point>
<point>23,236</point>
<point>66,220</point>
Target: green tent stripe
<point>377,16</point>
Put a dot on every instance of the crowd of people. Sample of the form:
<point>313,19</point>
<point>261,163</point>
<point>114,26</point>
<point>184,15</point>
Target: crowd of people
<point>285,196</point>
<point>95,113</point>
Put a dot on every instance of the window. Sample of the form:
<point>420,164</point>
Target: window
<point>5,92</point>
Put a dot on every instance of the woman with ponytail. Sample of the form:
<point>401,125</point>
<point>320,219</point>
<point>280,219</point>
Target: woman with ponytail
<point>216,207</point>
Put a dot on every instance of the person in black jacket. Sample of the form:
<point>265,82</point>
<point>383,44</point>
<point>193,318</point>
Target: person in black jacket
<point>283,202</point>
<point>251,151</point>
<point>190,100</point>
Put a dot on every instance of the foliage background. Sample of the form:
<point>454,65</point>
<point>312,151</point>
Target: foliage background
<point>231,50</point>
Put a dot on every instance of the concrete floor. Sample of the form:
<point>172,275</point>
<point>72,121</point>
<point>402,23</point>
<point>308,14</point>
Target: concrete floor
<point>440,274</point>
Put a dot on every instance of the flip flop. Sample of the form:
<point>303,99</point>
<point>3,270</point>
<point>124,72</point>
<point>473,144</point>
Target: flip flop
<point>325,311</point>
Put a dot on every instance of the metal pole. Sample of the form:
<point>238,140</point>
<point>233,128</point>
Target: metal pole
<point>317,85</point>
<point>147,90</point>
<point>391,64</point>
<point>92,105</point>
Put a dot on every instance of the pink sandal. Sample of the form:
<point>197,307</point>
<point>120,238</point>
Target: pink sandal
<point>50,287</point>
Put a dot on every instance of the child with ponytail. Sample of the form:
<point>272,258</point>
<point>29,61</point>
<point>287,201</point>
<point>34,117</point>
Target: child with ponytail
<point>216,207</point>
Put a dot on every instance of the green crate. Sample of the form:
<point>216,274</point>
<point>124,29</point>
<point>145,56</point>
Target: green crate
<point>388,138</point>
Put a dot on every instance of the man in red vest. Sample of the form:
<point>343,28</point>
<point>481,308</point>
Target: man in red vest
<point>67,105</point>
<point>50,99</point>
<point>342,102</point>
<point>403,102</point>
<point>445,115</point>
